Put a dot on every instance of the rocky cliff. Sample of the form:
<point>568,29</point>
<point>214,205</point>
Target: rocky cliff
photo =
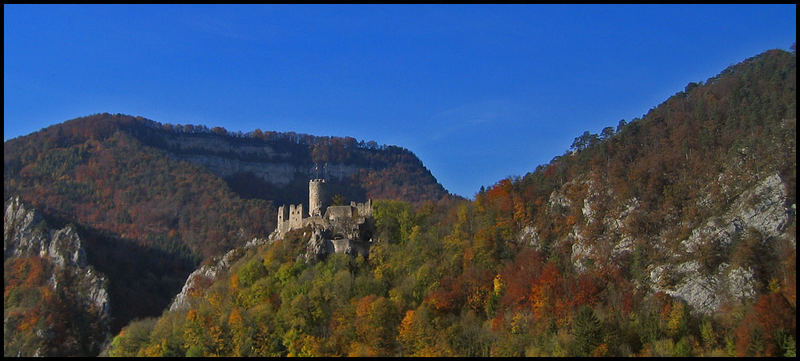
<point>206,274</point>
<point>78,290</point>
<point>698,266</point>
<point>227,157</point>
<point>275,166</point>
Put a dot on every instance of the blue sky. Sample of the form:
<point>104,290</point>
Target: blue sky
<point>478,92</point>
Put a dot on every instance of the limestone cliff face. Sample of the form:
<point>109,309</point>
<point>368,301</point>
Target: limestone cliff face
<point>26,234</point>
<point>761,209</point>
<point>276,167</point>
<point>279,173</point>
<point>22,238</point>
<point>225,157</point>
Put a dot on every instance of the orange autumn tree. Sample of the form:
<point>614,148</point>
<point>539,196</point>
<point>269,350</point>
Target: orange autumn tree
<point>377,320</point>
<point>547,295</point>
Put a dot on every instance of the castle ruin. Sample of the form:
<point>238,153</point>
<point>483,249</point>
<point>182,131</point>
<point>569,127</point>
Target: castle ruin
<point>337,229</point>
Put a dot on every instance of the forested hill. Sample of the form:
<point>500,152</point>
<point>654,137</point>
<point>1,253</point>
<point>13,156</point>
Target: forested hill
<point>669,235</point>
<point>152,200</point>
<point>193,188</point>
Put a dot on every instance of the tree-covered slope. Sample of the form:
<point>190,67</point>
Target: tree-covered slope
<point>601,252</point>
<point>150,209</point>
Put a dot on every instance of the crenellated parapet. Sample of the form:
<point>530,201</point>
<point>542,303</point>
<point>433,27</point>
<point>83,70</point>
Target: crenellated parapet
<point>363,209</point>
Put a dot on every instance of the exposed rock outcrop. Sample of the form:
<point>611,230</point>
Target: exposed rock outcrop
<point>761,208</point>
<point>26,234</point>
<point>206,274</point>
<point>277,173</point>
<point>529,236</point>
<point>321,244</point>
<point>318,247</point>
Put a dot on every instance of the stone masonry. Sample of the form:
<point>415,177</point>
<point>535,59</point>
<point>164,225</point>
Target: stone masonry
<point>346,227</point>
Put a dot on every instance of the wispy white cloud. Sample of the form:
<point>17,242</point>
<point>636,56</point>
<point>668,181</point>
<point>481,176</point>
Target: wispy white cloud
<point>475,115</point>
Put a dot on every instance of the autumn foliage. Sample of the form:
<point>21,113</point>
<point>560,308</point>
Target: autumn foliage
<point>504,274</point>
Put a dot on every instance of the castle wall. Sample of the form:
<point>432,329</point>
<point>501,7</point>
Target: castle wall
<point>334,213</point>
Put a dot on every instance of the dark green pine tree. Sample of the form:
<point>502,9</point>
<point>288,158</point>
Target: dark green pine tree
<point>587,331</point>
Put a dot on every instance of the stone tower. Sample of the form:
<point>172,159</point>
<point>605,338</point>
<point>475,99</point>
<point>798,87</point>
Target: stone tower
<point>317,197</point>
<point>283,219</point>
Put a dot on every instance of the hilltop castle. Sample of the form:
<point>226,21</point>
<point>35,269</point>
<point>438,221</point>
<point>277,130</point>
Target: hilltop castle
<point>346,227</point>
